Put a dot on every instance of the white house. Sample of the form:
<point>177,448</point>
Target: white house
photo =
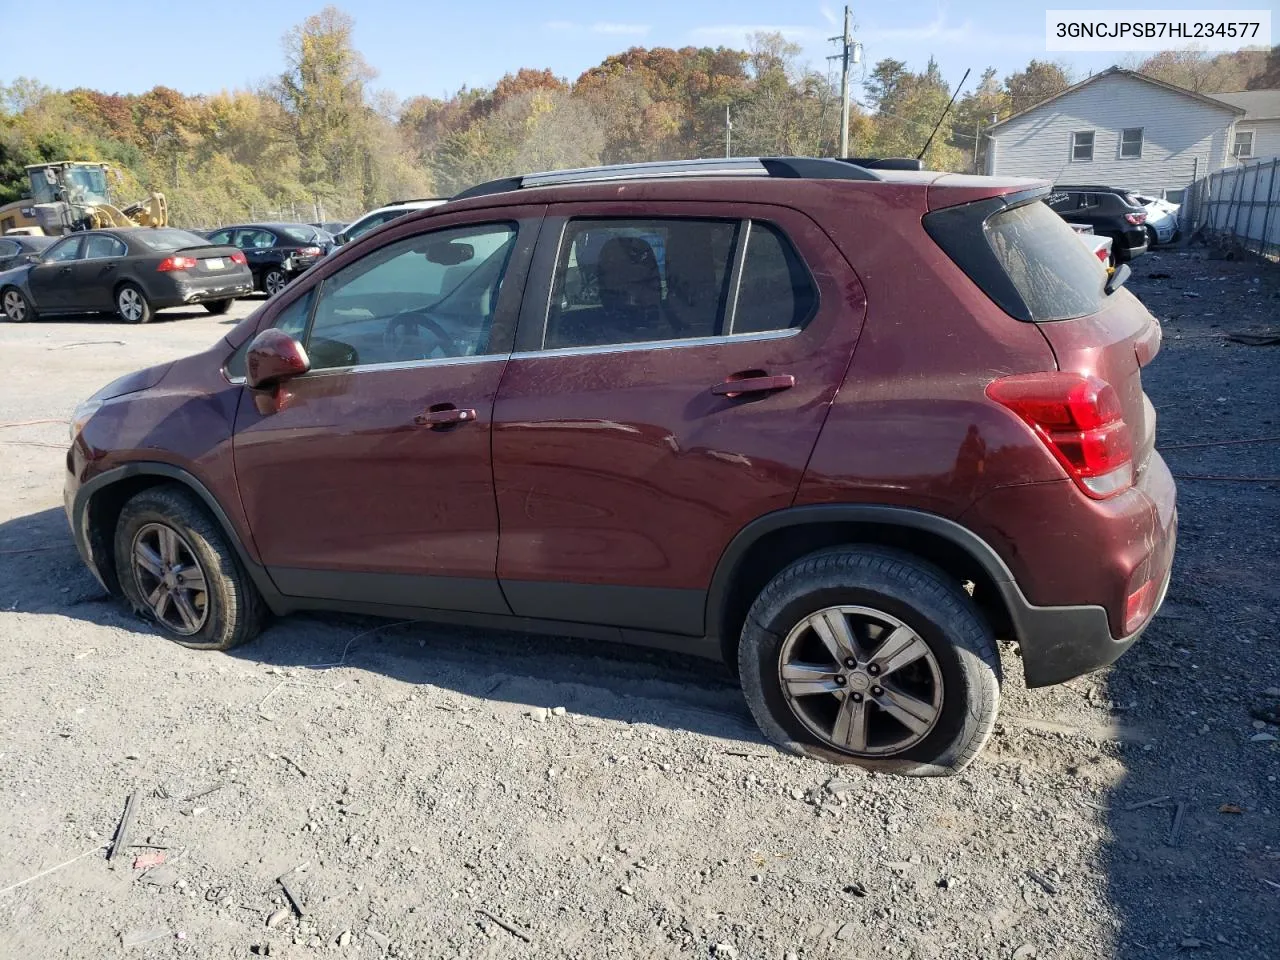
<point>1257,133</point>
<point>1121,129</point>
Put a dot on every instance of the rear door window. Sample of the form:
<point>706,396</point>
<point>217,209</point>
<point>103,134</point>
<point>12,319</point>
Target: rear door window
<point>620,281</point>
<point>100,247</point>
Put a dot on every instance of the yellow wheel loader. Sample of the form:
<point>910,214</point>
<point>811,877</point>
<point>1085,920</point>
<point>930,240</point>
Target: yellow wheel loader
<point>70,195</point>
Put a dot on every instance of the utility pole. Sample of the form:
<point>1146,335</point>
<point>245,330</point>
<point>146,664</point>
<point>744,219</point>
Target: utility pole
<point>728,134</point>
<point>848,53</point>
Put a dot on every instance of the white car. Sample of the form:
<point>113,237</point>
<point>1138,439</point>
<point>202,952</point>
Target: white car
<point>1162,218</point>
<point>376,218</point>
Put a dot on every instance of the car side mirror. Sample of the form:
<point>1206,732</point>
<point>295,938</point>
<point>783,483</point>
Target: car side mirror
<point>339,239</point>
<point>274,357</point>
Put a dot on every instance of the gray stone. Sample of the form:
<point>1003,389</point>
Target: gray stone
<point>277,918</point>
<point>725,951</point>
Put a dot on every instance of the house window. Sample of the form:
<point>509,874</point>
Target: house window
<point>1082,145</point>
<point>1242,149</point>
<point>1131,143</point>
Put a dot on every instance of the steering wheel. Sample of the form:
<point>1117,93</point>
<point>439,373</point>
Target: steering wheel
<point>408,326</point>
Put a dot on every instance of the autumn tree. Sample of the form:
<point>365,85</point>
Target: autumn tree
<point>908,105</point>
<point>1202,72</point>
<point>973,113</point>
<point>790,110</point>
<point>1039,80</point>
<point>322,91</point>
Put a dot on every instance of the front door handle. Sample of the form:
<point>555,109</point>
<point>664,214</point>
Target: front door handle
<point>753,384</point>
<point>443,416</point>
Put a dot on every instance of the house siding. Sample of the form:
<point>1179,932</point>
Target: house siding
<point>1183,138</point>
<point>1266,137</point>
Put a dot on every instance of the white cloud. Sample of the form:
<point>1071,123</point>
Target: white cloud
<point>608,29</point>
<point>829,15</point>
<point>940,32</point>
<point>631,29</point>
<point>735,32</point>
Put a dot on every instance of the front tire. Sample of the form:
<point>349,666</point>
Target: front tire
<point>868,656</point>
<point>16,305</point>
<point>177,570</point>
<point>218,307</point>
<point>132,305</point>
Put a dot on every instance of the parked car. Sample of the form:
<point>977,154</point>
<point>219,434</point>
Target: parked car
<point>1098,245</point>
<point>17,250</point>
<point>1162,219</point>
<point>771,444</point>
<point>1110,211</point>
<point>376,218</point>
<point>132,272</point>
<point>277,252</point>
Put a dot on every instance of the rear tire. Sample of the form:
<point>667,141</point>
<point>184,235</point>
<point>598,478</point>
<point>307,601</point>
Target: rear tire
<point>177,569</point>
<point>944,681</point>
<point>1152,239</point>
<point>16,305</point>
<point>132,305</point>
<point>218,307</point>
<point>273,281</point>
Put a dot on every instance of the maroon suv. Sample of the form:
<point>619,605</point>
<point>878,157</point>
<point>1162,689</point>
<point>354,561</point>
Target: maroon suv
<point>842,426</point>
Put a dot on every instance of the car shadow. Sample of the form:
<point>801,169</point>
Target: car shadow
<point>167,315</point>
<point>41,572</point>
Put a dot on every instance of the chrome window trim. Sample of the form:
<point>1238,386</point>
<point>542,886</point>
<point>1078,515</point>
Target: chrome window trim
<point>658,344</point>
<point>385,367</point>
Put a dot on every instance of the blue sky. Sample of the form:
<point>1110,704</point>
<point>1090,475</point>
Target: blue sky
<point>434,47</point>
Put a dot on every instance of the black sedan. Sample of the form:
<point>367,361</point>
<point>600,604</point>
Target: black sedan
<point>131,272</point>
<point>277,252</point>
<point>15,250</point>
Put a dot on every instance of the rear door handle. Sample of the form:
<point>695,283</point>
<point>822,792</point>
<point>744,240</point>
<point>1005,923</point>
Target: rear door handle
<point>444,416</point>
<point>762,384</point>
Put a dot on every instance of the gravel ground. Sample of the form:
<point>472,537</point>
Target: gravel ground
<point>459,793</point>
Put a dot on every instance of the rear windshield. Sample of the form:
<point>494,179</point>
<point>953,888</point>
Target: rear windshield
<point>166,238</point>
<point>1054,272</point>
<point>297,234</point>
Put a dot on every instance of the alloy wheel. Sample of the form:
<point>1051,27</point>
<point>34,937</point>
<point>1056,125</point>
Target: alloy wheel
<point>15,308</point>
<point>275,282</point>
<point>170,579</point>
<point>861,680</point>
<point>130,303</point>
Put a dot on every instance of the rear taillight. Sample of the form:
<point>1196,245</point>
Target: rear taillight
<point>1136,218</point>
<point>177,263</point>
<point>1102,254</point>
<point>310,252</point>
<point>1081,422</point>
<point>1138,605</point>
<point>238,257</point>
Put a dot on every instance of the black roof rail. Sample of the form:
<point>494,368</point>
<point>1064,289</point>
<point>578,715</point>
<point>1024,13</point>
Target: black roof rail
<point>885,163</point>
<point>797,168</point>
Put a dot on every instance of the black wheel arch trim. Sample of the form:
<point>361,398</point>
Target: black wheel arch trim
<point>1057,643</point>
<point>168,471</point>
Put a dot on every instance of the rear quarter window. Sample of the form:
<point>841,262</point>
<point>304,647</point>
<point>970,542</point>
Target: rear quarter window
<point>1051,268</point>
<point>1026,258</point>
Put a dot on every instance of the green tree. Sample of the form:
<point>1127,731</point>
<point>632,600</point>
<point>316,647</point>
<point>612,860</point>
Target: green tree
<point>322,92</point>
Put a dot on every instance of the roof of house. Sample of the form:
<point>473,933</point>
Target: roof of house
<point>1118,71</point>
<point>1256,104</point>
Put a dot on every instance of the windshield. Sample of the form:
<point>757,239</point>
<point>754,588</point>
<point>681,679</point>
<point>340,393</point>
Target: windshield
<point>164,239</point>
<point>85,184</point>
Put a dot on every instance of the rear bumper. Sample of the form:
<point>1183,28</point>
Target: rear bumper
<point>183,290</point>
<point>1075,563</point>
<point>1130,244</point>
